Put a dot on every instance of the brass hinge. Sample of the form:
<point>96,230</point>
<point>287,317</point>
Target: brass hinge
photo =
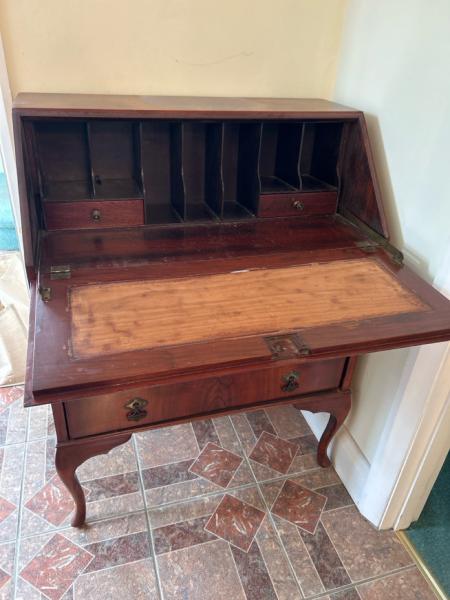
<point>375,239</point>
<point>60,272</point>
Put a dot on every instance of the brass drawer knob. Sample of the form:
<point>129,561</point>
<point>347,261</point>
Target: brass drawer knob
<point>137,409</point>
<point>298,204</point>
<point>290,381</point>
<point>96,215</point>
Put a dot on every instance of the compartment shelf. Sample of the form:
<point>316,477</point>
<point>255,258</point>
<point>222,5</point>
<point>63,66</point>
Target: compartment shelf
<point>63,160</point>
<point>115,159</point>
<point>190,170</point>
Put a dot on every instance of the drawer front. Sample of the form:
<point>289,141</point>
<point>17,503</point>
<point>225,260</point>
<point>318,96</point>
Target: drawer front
<point>94,215</point>
<point>300,204</point>
<point>162,403</point>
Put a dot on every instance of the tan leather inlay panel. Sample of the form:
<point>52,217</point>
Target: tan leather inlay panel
<point>118,317</point>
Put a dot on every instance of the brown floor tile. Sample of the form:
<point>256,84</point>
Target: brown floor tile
<point>134,580</point>
<point>325,558</point>
<point>253,573</point>
<point>182,535</point>
<point>299,506</point>
<point>307,444</point>
<point>274,452</point>
<point>171,474</point>
<point>13,416</point>
<point>205,432</point>
<point>301,562</point>
<point>202,571</point>
<point>216,464</point>
<point>336,495</point>
<point>313,480</point>
<point>111,484</point>
<point>198,472</point>
<point>235,521</point>
<point>364,551</point>
<point>56,566</point>
<point>406,585</point>
<point>288,421</point>
<point>167,445</point>
<point>259,422</point>
<point>184,526</point>
<point>348,594</point>
<point>11,469</point>
<point>117,551</point>
<point>7,553</point>
<point>63,564</point>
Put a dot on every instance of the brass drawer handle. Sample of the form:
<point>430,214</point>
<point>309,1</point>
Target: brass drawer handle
<point>136,406</point>
<point>298,204</point>
<point>96,215</point>
<point>290,381</point>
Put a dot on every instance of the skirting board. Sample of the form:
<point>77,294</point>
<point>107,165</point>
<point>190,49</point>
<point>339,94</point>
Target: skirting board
<point>347,458</point>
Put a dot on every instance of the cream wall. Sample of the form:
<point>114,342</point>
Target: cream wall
<point>197,47</point>
<point>395,65</point>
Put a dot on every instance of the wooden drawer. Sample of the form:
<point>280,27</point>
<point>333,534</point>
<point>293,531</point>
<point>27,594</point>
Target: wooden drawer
<point>162,403</point>
<point>94,214</point>
<point>298,204</point>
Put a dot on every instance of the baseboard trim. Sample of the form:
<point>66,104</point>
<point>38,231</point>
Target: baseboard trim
<point>346,456</point>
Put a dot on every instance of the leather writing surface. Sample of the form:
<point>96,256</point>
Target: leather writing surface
<point>119,317</point>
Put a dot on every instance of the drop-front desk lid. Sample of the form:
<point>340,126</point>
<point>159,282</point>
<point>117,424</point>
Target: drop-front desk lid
<point>147,305</point>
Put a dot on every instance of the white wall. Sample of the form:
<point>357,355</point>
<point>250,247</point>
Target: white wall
<point>395,66</point>
<point>185,47</point>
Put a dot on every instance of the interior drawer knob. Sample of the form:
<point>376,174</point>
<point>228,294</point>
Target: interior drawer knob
<point>290,381</point>
<point>298,204</point>
<point>137,409</point>
<point>96,215</point>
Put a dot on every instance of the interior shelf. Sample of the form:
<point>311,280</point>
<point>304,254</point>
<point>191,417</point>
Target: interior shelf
<point>63,160</point>
<point>187,170</point>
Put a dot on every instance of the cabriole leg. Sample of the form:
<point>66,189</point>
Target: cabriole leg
<point>70,456</point>
<point>338,406</point>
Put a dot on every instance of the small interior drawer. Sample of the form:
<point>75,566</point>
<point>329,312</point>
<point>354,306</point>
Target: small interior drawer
<point>297,204</point>
<point>164,403</point>
<point>94,214</point>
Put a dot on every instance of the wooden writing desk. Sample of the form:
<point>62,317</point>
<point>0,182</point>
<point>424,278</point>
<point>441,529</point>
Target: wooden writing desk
<point>191,257</point>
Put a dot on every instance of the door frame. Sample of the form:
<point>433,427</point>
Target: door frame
<point>415,445</point>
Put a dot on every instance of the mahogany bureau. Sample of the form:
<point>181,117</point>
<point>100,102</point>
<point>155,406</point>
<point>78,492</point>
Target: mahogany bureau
<point>193,257</point>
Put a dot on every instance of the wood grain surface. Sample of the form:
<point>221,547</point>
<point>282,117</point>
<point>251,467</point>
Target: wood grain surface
<point>119,317</point>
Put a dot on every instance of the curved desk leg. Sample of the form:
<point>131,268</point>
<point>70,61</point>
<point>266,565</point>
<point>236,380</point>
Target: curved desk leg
<point>338,406</point>
<point>70,456</point>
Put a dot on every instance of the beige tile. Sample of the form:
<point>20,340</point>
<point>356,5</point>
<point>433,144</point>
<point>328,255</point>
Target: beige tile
<point>406,585</point>
<point>365,551</point>
<point>134,580</point>
<point>288,421</point>
<point>200,572</point>
<point>167,445</point>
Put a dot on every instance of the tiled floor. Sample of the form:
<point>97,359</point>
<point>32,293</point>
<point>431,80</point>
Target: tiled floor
<point>218,509</point>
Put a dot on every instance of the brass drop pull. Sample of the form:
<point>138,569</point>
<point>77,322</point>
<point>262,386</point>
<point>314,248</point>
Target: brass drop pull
<point>290,381</point>
<point>137,411</point>
<point>298,204</point>
<point>96,215</point>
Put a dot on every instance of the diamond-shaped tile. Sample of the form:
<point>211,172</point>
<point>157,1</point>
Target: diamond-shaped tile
<point>52,502</point>
<point>236,522</point>
<point>274,452</point>
<point>8,395</point>
<point>4,578</point>
<point>300,506</point>
<point>216,464</point>
<point>56,566</point>
<point>6,508</point>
